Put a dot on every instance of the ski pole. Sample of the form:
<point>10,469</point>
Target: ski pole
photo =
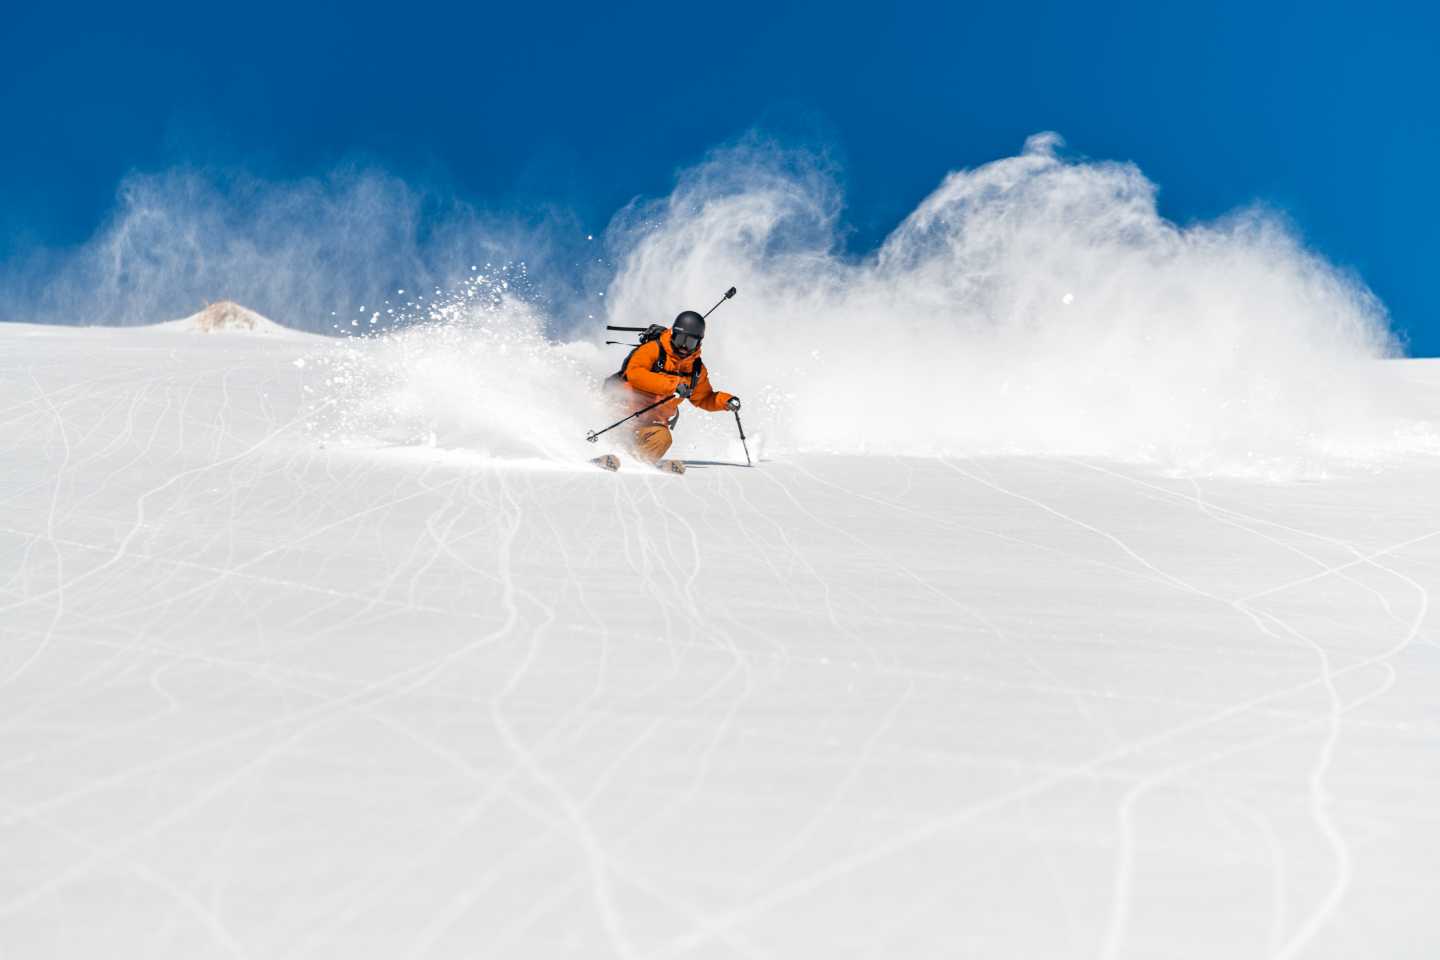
<point>741,428</point>
<point>593,435</point>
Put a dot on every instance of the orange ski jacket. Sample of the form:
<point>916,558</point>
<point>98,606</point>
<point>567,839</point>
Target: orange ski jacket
<point>653,371</point>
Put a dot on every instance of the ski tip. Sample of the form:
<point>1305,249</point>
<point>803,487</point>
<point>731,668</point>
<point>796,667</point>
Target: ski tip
<point>607,462</point>
<point>670,466</point>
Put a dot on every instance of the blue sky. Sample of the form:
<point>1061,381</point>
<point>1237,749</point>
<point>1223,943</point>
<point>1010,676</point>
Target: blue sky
<point>1325,111</point>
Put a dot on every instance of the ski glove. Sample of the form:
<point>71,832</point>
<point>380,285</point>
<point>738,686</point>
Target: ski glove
<point>683,389</point>
<point>733,403</point>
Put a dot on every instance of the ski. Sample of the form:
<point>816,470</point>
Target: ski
<point>670,466</point>
<point>607,462</point>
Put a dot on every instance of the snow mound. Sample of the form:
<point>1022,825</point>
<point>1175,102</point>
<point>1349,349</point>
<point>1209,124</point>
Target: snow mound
<point>227,316</point>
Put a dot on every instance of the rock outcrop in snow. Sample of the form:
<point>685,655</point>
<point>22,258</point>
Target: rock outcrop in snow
<point>227,316</point>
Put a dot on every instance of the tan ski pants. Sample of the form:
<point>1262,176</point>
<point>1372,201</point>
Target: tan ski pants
<point>650,441</point>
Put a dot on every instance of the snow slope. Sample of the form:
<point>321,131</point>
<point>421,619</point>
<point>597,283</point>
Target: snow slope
<point>264,696</point>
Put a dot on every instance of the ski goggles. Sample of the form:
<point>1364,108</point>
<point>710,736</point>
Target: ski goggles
<point>685,342</point>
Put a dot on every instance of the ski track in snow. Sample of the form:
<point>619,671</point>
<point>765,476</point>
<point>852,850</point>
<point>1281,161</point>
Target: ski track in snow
<point>264,698</point>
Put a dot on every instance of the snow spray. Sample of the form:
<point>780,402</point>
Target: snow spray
<point>1035,305</point>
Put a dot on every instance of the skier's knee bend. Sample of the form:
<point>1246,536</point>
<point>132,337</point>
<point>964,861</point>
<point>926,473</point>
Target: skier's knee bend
<point>651,441</point>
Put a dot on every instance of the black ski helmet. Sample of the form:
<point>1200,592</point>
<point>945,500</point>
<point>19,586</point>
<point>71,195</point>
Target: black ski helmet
<point>686,333</point>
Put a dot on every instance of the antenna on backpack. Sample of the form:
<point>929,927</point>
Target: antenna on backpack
<point>657,327</point>
<point>728,294</point>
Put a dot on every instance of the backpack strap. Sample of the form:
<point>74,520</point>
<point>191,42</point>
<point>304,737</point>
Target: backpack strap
<point>661,359</point>
<point>657,367</point>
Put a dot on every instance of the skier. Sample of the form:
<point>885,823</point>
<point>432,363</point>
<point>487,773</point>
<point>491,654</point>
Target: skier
<point>665,364</point>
